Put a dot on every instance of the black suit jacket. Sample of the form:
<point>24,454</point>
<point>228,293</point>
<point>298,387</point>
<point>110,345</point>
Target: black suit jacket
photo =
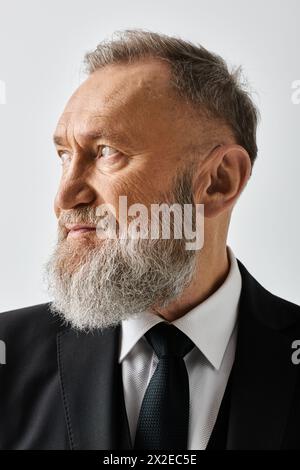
<point>61,389</point>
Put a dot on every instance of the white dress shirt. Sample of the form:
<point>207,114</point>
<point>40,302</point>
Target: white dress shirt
<point>211,325</point>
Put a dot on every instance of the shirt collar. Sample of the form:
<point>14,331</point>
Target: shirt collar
<point>209,325</point>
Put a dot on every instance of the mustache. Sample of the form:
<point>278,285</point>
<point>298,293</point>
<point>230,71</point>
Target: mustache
<point>82,215</point>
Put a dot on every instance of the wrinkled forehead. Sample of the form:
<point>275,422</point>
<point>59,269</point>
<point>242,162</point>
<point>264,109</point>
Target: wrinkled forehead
<point>135,104</point>
<point>135,91</point>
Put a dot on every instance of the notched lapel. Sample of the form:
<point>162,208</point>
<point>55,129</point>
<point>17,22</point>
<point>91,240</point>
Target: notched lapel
<point>90,387</point>
<point>264,376</point>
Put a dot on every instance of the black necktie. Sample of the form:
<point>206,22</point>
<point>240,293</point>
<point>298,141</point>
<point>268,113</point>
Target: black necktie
<point>164,417</point>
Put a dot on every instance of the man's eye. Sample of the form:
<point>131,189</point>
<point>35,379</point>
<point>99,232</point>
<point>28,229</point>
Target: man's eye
<point>65,157</point>
<point>107,151</point>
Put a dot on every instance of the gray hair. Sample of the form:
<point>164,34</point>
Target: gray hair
<point>200,76</point>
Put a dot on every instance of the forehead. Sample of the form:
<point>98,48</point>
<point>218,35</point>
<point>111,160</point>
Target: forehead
<point>122,92</point>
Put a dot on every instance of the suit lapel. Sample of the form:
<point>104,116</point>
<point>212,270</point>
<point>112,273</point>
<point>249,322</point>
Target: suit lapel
<point>263,374</point>
<point>91,389</point>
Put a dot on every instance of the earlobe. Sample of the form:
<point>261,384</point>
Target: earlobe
<point>214,205</point>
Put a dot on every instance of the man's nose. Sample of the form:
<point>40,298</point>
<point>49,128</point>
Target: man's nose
<point>74,190</point>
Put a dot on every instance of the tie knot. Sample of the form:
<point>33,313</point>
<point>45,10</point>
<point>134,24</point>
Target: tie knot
<point>167,340</point>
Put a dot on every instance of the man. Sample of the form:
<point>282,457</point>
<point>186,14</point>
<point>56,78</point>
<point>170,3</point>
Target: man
<point>147,344</point>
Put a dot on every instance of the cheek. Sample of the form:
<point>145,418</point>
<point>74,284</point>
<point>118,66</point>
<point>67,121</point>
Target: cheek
<point>142,182</point>
<point>135,187</point>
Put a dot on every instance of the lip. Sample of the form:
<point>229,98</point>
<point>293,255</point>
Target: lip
<point>75,230</point>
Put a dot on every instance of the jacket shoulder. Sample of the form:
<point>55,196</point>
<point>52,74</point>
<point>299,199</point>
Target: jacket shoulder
<point>270,308</point>
<point>32,321</point>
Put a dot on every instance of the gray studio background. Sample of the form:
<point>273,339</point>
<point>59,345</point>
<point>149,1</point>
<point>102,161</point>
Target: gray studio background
<point>41,48</point>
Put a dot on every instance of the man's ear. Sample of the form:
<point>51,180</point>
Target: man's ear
<point>221,178</point>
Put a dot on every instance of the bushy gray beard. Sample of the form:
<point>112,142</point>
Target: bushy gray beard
<point>96,285</point>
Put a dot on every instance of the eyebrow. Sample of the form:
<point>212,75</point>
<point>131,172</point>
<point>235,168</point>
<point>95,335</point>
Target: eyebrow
<point>106,134</point>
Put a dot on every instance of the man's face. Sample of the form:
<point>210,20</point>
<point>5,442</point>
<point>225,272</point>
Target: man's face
<point>123,133</point>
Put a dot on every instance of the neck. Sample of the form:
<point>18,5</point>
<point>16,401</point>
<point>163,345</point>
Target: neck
<point>211,271</point>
